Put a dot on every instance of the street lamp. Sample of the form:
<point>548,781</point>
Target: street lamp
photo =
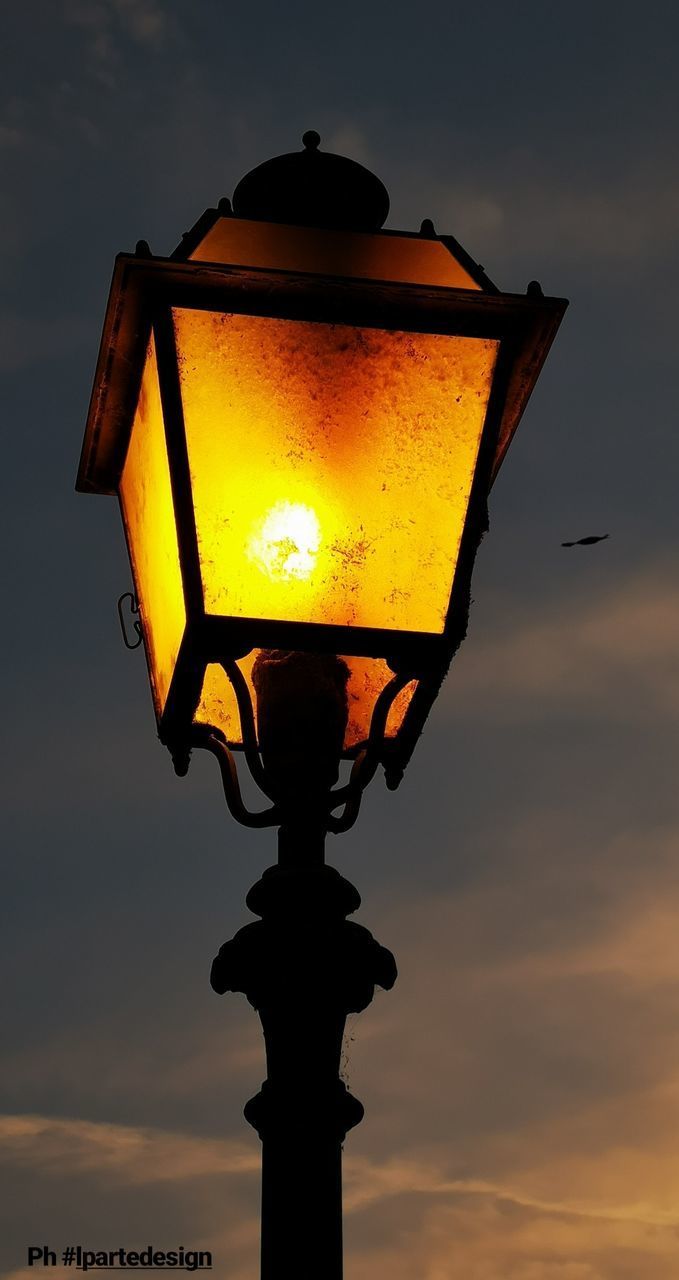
<point>302,416</point>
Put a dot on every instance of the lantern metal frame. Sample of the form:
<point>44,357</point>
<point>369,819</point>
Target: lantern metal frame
<point>143,292</point>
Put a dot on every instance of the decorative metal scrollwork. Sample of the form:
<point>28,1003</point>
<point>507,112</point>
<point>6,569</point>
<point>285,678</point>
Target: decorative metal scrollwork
<point>347,797</point>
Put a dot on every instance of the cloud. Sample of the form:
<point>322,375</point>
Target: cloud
<point>73,1179</point>
<point>144,21</point>
<point>131,1155</point>
<point>79,1064</point>
<point>426,1224</point>
<point>139,1156</point>
<point>537,1008</point>
<point>556,1215</point>
<point>600,221</point>
<point>626,224</point>
<point>24,1273</point>
<point>349,140</point>
<point>367,1182</point>
<point>492,1240</point>
<point>108,24</point>
<point>613,655</point>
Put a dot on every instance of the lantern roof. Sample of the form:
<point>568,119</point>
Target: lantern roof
<point>313,188</point>
<point>325,214</point>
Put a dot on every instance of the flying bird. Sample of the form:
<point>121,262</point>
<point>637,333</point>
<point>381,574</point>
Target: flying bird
<point>587,542</point>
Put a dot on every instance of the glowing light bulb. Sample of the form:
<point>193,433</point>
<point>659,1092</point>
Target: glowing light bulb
<point>285,541</point>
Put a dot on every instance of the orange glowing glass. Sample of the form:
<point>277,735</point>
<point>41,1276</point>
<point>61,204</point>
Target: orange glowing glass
<point>367,678</point>
<point>304,440</point>
<point>149,519</point>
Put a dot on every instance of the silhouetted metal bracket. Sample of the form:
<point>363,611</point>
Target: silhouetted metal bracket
<point>366,763</point>
<point>348,797</point>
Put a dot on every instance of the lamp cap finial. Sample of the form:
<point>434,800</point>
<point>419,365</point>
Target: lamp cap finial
<point>313,188</point>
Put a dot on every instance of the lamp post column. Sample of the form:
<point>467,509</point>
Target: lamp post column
<point>304,967</point>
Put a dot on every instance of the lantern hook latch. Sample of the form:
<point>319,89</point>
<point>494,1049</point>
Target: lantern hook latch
<point>136,624</point>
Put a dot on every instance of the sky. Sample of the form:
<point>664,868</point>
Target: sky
<point>521,1081</point>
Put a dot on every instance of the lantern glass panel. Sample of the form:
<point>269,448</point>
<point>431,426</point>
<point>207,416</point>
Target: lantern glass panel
<point>338,253</point>
<point>367,678</point>
<point>303,439</point>
<point>148,515</point>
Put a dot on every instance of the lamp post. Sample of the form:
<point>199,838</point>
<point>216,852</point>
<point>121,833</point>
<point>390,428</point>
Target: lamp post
<point>302,416</point>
